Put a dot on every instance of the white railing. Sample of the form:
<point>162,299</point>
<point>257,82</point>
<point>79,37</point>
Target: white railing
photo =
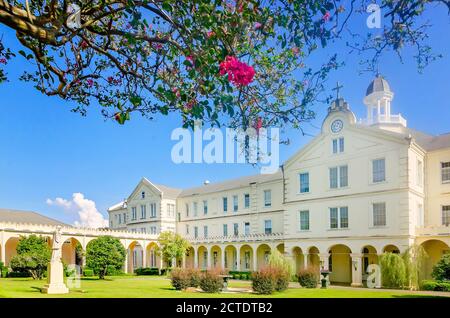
<point>68,230</point>
<point>392,119</point>
<point>433,230</point>
<point>236,238</point>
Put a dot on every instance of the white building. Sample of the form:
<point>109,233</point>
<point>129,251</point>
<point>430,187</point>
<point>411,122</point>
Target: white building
<point>358,189</point>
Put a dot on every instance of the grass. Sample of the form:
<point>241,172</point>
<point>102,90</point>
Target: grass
<point>159,287</point>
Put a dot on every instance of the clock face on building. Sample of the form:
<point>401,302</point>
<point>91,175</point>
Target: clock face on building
<point>336,126</point>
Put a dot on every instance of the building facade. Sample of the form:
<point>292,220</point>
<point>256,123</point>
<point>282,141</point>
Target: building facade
<point>358,189</point>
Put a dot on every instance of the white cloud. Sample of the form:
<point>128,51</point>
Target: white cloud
<point>85,208</point>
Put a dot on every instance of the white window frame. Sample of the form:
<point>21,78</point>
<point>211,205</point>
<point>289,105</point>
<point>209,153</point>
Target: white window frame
<point>269,221</point>
<point>300,220</point>
<point>300,182</point>
<point>225,230</point>
<point>246,195</point>
<point>225,204</point>
<point>143,211</point>
<point>246,228</point>
<point>195,208</point>
<point>374,173</point>
<point>133,213</point>
<point>205,207</point>
<point>445,219</point>
<point>373,214</point>
<point>267,199</point>
<point>339,210</point>
<point>235,203</point>
<point>338,145</point>
<point>339,183</point>
<point>447,173</point>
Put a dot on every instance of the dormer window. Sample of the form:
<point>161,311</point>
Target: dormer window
<point>143,194</point>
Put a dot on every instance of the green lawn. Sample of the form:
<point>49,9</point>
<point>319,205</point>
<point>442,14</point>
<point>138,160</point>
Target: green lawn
<point>153,287</point>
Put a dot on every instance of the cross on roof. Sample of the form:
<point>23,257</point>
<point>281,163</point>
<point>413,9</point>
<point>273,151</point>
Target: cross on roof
<point>337,89</point>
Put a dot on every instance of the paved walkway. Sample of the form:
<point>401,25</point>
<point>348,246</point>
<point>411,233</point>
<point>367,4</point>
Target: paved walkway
<point>413,292</point>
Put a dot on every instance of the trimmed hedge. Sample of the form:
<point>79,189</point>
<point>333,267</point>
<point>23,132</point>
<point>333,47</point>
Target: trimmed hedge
<point>436,285</point>
<point>112,271</point>
<point>87,272</point>
<point>241,275</point>
<point>147,271</point>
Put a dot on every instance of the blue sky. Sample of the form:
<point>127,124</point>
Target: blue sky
<point>48,151</point>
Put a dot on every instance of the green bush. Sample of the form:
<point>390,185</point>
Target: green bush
<point>393,271</point>
<point>194,277</point>
<point>264,281</point>
<point>240,274</point>
<point>87,272</point>
<point>19,274</point>
<point>308,278</point>
<point>211,281</point>
<point>146,271</point>
<point>436,285</point>
<point>282,278</point>
<point>180,278</point>
<point>105,251</point>
<point>441,271</point>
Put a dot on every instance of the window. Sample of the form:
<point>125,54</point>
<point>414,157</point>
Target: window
<point>338,145</point>
<point>235,203</point>
<point>195,207</point>
<point>304,182</point>
<point>378,170</point>
<point>445,172</point>
<point>379,214</point>
<point>196,231</point>
<point>247,228</point>
<point>446,215</point>
<point>205,231</point>
<point>338,177</point>
<point>419,173</point>
<point>268,227</point>
<point>187,210</point>
<point>170,210</point>
<point>133,213</point>
<point>236,229</point>
<point>143,230</point>
<point>304,220</point>
<point>246,200</point>
<point>153,210</point>
<point>267,198</point>
<point>143,211</point>
<point>143,195</point>
<point>225,204</point>
<point>225,230</point>
<point>205,207</point>
<point>120,218</point>
<point>152,229</point>
<point>339,218</point>
<point>187,229</point>
<point>124,218</point>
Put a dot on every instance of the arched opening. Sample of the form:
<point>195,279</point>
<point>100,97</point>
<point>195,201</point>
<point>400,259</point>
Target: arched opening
<point>153,259</point>
<point>216,257</point>
<point>72,252</point>
<point>246,257</point>
<point>230,257</point>
<point>262,255</point>
<point>202,257</point>
<point>280,248</point>
<point>135,256</point>
<point>299,259</point>
<point>369,257</point>
<point>391,249</point>
<point>313,258</point>
<point>190,258</point>
<point>340,264</point>
<point>435,249</point>
<point>10,249</point>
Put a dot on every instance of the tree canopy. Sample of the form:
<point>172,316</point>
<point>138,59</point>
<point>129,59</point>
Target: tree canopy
<point>238,62</point>
<point>172,246</point>
<point>102,252</point>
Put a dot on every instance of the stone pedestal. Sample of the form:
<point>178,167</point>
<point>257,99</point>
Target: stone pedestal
<point>55,274</point>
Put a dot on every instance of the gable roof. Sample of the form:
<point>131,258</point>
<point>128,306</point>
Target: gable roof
<point>168,192</point>
<point>430,142</point>
<point>18,216</point>
<point>232,184</point>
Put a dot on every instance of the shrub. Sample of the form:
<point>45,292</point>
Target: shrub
<point>278,260</point>
<point>436,285</point>
<point>211,282</point>
<point>146,271</point>
<point>308,278</point>
<point>264,281</point>
<point>87,272</point>
<point>393,270</point>
<point>194,277</point>
<point>282,278</point>
<point>4,272</point>
<point>441,271</point>
<point>180,278</point>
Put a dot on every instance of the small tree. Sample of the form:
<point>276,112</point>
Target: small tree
<point>278,260</point>
<point>172,246</point>
<point>414,259</point>
<point>441,271</point>
<point>33,255</point>
<point>102,252</point>
<point>393,270</point>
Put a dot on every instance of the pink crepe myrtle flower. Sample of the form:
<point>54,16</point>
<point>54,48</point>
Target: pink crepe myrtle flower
<point>3,61</point>
<point>210,34</point>
<point>239,73</point>
<point>90,82</point>
<point>176,91</point>
<point>83,45</point>
<point>326,17</point>
<point>257,25</point>
<point>295,50</point>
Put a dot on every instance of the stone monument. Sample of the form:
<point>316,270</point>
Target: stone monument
<point>55,270</point>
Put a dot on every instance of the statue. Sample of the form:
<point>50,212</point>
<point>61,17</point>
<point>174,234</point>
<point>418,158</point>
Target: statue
<point>55,271</point>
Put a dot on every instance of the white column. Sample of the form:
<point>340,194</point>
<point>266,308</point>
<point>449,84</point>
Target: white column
<point>195,257</point>
<point>144,257</point>
<point>255,259</point>
<point>125,268</point>
<point>222,256</point>
<point>238,258</point>
<point>208,258</point>
<point>305,261</point>
<point>356,270</point>
<point>3,250</point>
